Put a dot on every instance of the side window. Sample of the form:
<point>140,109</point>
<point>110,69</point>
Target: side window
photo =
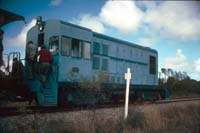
<point>105,49</point>
<point>53,45</point>
<point>95,63</point>
<point>76,48</point>
<point>86,50</point>
<point>96,48</point>
<point>104,64</point>
<point>152,65</point>
<point>66,46</point>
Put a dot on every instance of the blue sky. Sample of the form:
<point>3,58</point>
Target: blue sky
<point>170,27</point>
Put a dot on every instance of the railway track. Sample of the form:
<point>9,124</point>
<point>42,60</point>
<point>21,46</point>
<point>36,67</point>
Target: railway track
<point>177,100</point>
<point>13,111</point>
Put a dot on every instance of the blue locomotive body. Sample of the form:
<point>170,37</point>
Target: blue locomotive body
<point>82,57</point>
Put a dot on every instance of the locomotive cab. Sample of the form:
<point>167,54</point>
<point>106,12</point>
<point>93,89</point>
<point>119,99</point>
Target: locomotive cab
<point>45,92</point>
<point>70,47</point>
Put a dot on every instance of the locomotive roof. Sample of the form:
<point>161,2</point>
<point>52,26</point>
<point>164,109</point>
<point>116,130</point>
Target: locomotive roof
<point>102,36</point>
<point>105,37</point>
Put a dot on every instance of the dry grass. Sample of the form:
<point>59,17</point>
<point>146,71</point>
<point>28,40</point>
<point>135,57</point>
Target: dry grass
<point>173,118</point>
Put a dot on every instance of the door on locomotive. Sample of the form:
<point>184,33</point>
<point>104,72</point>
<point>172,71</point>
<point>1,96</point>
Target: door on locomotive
<point>44,92</point>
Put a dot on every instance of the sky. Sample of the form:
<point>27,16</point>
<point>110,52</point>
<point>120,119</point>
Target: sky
<point>170,27</point>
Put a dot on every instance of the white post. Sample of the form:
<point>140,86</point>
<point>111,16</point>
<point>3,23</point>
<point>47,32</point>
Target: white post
<point>128,78</point>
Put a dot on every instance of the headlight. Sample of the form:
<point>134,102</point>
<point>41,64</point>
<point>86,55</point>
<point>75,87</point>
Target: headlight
<point>41,28</point>
<point>40,23</point>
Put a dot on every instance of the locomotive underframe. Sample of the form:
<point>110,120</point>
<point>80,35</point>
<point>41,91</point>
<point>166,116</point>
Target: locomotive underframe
<point>74,94</point>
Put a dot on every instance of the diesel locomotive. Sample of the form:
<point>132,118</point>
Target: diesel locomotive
<point>87,67</point>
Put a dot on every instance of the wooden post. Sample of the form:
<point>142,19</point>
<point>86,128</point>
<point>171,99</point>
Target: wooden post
<point>128,78</point>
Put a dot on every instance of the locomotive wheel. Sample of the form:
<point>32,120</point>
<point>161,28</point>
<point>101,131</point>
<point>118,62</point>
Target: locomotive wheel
<point>115,99</point>
<point>62,98</point>
<point>159,97</point>
<point>140,99</point>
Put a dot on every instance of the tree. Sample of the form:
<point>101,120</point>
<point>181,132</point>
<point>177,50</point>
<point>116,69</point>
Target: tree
<point>178,82</point>
<point>171,82</point>
<point>170,72</point>
<point>164,71</point>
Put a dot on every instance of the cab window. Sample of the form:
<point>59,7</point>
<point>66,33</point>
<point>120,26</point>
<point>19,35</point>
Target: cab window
<point>53,45</point>
<point>66,46</point>
<point>75,48</point>
<point>86,50</point>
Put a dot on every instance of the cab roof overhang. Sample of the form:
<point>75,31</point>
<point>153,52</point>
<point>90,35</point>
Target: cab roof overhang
<point>8,17</point>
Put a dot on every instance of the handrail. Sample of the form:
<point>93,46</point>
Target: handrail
<point>14,55</point>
